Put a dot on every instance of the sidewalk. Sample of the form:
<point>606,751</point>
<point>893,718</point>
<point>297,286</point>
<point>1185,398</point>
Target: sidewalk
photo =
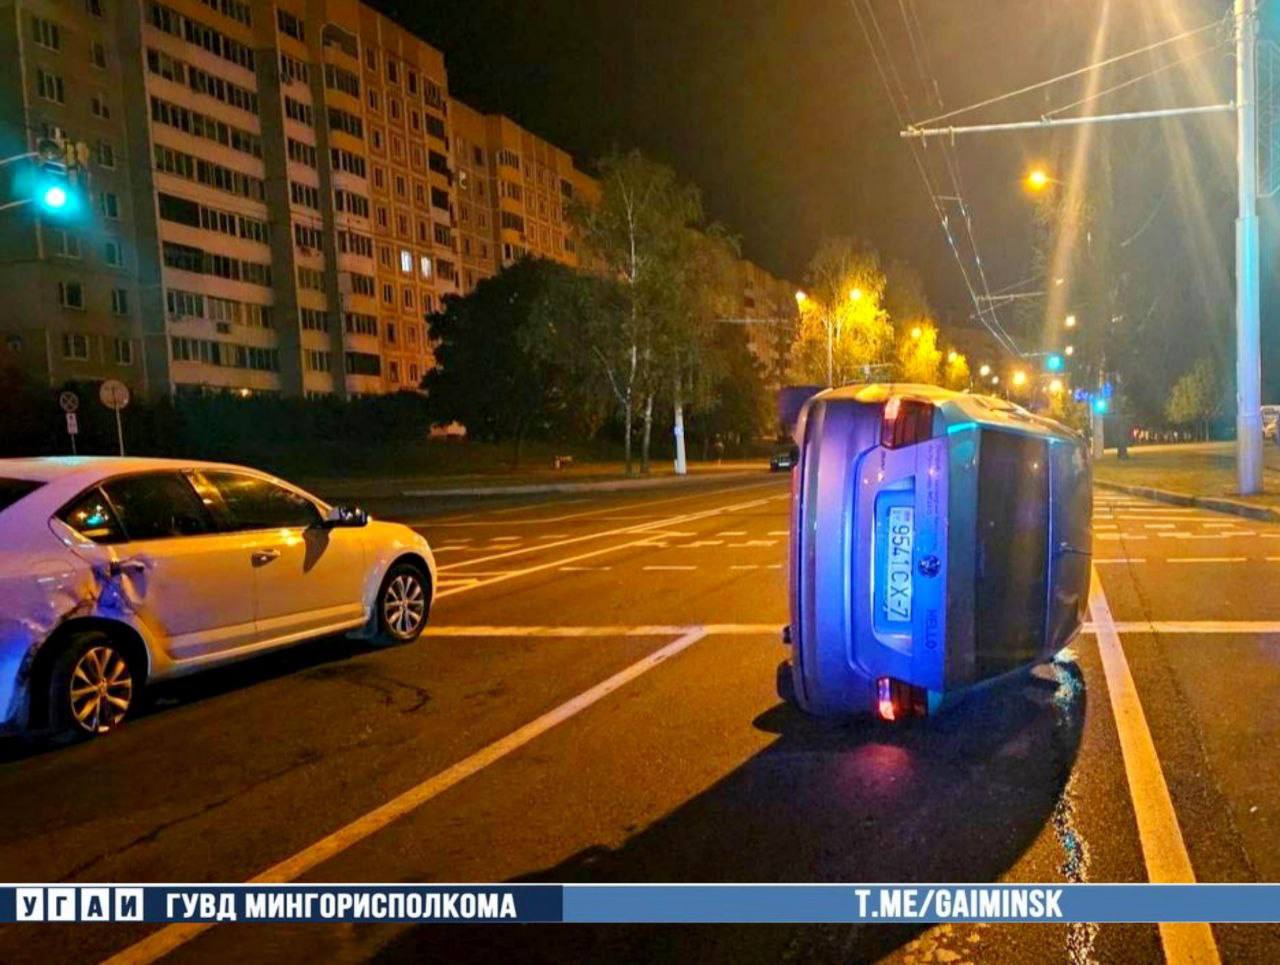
<point>586,477</point>
<point>1197,473</point>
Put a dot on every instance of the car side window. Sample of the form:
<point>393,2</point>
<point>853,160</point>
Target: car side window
<point>157,505</point>
<point>254,503</point>
<point>92,517</point>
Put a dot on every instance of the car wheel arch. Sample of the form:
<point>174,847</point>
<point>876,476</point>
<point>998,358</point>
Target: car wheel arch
<point>128,638</point>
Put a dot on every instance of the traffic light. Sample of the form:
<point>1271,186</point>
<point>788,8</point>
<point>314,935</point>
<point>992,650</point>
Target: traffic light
<point>1054,362</point>
<point>54,180</point>
<point>1100,405</point>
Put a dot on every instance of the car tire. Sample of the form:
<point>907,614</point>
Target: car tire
<point>93,687</point>
<point>403,604</point>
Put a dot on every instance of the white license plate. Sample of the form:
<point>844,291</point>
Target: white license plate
<point>898,572</point>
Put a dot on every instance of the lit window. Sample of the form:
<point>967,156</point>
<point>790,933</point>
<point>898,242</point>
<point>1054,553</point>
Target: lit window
<point>406,261</point>
<point>424,263</point>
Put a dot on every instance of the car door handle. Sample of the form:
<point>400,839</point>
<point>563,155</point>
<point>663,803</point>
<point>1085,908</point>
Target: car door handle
<point>262,557</point>
<point>120,567</point>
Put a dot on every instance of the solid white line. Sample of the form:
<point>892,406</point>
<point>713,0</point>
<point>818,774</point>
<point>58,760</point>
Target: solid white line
<point>584,569</point>
<point>670,567</point>
<point>168,939</point>
<point>659,630</point>
<point>1207,559</point>
<point>1163,848</point>
<point>1122,559</point>
<point>1197,627</point>
<point>1158,525</point>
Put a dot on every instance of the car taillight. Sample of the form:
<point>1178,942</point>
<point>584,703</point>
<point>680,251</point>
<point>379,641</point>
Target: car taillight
<point>906,422</point>
<point>896,699</point>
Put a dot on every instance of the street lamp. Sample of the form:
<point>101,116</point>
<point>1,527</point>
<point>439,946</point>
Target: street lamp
<point>1038,179</point>
<point>985,371</point>
<point>1069,350</point>
<point>1070,321</point>
<point>801,298</point>
<point>916,332</point>
<point>1019,378</point>
<point>855,295</point>
<point>1055,387</point>
<point>952,356</point>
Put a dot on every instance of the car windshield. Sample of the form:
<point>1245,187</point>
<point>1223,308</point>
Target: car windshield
<point>11,490</point>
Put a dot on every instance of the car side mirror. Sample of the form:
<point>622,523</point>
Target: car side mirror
<point>345,516</point>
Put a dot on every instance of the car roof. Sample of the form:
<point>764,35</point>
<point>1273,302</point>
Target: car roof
<point>89,468</point>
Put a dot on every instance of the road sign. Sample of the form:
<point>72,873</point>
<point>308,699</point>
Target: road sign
<point>114,394</point>
<point>69,402</point>
<point>73,425</point>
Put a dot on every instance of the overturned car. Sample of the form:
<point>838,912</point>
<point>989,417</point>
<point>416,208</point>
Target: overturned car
<point>938,540</point>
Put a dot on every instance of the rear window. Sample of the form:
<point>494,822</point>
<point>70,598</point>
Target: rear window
<point>1012,564</point>
<point>11,490</point>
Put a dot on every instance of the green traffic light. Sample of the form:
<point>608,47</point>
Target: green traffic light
<point>54,197</point>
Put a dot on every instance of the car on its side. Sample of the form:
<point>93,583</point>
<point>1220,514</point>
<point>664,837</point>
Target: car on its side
<point>116,573</point>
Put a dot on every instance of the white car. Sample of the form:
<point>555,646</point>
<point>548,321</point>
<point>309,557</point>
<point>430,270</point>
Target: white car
<point>118,572</point>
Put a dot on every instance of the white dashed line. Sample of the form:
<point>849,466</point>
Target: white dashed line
<point>733,532</point>
<point>1122,559</point>
<point>584,569</point>
<point>1208,559</point>
<point>670,567</point>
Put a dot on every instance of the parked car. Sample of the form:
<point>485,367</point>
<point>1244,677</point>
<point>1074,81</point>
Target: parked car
<point>115,573</point>
<point>783,460</point>
<point>938,540</point>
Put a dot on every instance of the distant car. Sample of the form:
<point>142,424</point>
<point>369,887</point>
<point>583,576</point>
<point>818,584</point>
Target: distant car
<point>938,539</point>
<point>783,460</point>
<point>115,573</point>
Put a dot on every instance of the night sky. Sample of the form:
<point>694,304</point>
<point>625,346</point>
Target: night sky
<point>776,110</point>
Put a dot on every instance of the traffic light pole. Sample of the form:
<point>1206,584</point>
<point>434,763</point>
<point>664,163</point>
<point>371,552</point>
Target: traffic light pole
<point>1248,340</point>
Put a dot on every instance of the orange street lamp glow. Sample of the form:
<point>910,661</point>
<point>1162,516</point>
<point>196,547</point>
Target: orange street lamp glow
<point>952,356</point>
<point>1019,378</point>
<point>1070,322</point>
<point>1055,387</point>
<point>1070,350</point>
<point>855,295</point>
<point>1038,179</point>
<point>985,371</point>
<point>801,298</point>
<point>916,332</point>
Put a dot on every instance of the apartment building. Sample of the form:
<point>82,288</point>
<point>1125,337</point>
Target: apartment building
<point>514,194</point>
<point>767,308</point>
<point>71,298</point>
<point>272,196</point>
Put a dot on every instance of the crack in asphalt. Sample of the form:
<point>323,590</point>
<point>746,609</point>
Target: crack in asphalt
<point>303,759</point>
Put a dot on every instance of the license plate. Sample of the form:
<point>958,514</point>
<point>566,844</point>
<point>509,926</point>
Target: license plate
<point>898,571</point>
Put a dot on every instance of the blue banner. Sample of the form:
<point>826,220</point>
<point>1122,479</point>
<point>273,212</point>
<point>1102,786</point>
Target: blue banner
<point>637,903</point>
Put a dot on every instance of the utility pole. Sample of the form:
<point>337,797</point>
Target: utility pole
<point>1248,342</point>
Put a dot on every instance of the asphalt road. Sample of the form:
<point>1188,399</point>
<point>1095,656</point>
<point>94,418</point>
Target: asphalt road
<point>595,702</point>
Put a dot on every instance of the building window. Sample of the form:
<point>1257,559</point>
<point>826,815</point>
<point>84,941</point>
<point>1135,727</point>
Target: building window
<point>112,253</point>
<point>388,294</point>
<point>98,105</point>
<point>407,298</point>
<point>406,261</point>
<point>289,24</point>
<point>424,266</point>
<point>65,243</point>
<point>98,55</point>
<point>71,295</point>
<point>49,86</point>
<point>106,154</point>
<point>120,301</point>
<point>393,371</point>
<point>124,351</point>
<point>390,328</point>
<point>75,346</point>
<point>46,33</point>
<point>93,7</point>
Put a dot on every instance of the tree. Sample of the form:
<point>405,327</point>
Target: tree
<point>503,371</point>
<point>955,373</point>
<point>636,234</point>
<point>843,327</point>
<point>1195,398</point>
<point>919,358</point>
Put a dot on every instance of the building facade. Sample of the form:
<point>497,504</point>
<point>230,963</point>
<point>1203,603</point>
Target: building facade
<point>277,196</point>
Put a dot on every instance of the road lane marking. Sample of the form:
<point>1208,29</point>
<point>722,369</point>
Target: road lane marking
<point>1158,525</point>
<point>699,543</point>
<point>745,566</point>
<point>754,542</point>
<point>658,630</point>
<point>619,531</point>
<point>1122,559</point>
<point>1163,848</point>
<point>733,532</point>
<point>670,567</point>
<point>168,939</point>
<point>584,569</point>
<point>1207,559</point>
<point>1195,627</point>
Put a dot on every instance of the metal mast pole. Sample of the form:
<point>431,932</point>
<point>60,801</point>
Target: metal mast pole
<point>1248,342</point>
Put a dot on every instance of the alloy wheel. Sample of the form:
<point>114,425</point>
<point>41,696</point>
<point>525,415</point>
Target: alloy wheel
<point>101,689</point>
<point>404,606</point>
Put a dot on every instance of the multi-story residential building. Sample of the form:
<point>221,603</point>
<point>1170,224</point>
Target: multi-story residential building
<point>768,309</point>
<point>70,287</point>
<point>514,191</point>
<point>272,195</point>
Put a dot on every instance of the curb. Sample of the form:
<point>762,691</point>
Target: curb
<point>1215,503</point>
<point>601,486</point>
